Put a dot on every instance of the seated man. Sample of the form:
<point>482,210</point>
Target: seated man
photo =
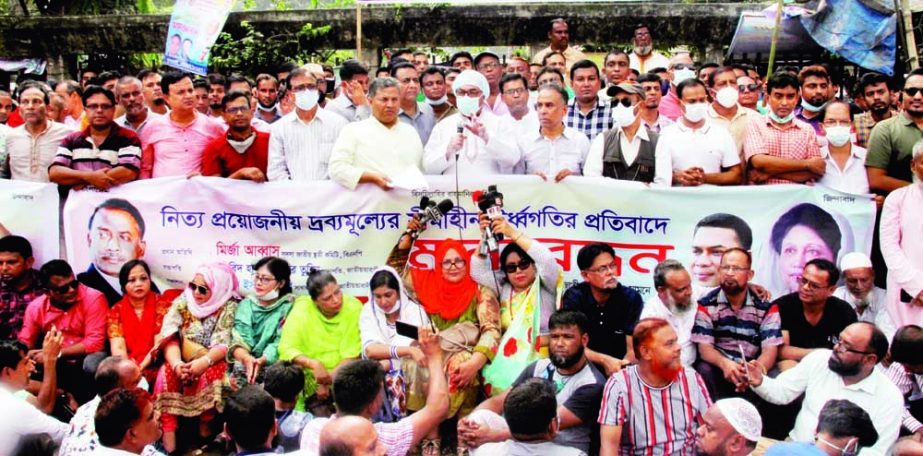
<point>860,292</point>
<point>20,420</point>
<point>113,373</point>
<point>127,423</point>
<point>250,416</point>
<point>812,317</point>
<point>19,284</point>
<point>242,152</point>
<point>80,314</point>
<point>350,435</point>
<point>612,308</point>
<point>674,303</point>
<point>730,427</point>
<point>578,390</point>
<point>283,381</point>
<point>842,428</point>
<point>358,389</point>
<point>847,372</point>
<point>640,399</point>
<point>734,325</point>
<point>532,421</point>
<point>906,371</point>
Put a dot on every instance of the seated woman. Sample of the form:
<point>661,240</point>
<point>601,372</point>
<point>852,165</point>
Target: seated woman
<point>388,304</point>
<point>133,324</point>
<point>531,286</point>
<point>466,314</point>
<point>258,323</point>
<point>321,334</point>
<point>199,330</point>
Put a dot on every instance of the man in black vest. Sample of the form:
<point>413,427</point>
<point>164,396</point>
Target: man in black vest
<point>626,151</point>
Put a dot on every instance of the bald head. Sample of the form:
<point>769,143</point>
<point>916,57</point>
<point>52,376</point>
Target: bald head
<point>350,436</point>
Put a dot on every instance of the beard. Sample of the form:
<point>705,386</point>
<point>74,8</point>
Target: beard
<point>677,307</point>
<point>564,362</point>
<point>665,370</point>
<point>643,50</point>
<point>842,369</point>
<point>731,287</point>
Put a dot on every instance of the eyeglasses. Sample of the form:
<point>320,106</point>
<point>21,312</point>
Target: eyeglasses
<point>626,102</point>
<point>840,347</point>
<point>457,263</point>
<point>202,289</point>
<point>811,285</point>
<point>748,88</point>
<point>522,265</point>
<point>263,279</point>
<point>837,123</point>
<point>61,289</point>
<point>303,87</point>
<point>409,80</point>
<point>473,93</point>
<point>733,269</point>
<point>683,66</point>
<point>103,107</point>
<point>604,269</point>
<point>913,91</point>
<point>488,66</point>
<point>238,110</point>
<point>514,92</point>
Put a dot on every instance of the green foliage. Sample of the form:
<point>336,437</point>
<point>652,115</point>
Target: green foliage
<point>254,52</point>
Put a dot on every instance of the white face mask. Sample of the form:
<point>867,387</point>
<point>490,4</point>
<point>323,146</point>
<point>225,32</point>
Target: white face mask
<point>271,295</point>
<point>623,116</point>
<point>838,135</point>
<point>306,100</point>
<point>727,97</point>
<point>695,112</point>
<point>467,106</point>
<point>681,75</point>
<point>438,102</point>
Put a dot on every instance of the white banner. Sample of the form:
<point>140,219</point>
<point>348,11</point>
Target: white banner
<point>188,222</point>
<point>30,210</point>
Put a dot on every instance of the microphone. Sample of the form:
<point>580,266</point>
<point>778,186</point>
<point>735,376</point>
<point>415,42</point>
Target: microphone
<point>460,129</point>
<point>433,213</point>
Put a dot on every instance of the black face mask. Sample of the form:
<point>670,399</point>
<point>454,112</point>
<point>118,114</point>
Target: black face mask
<point>331,86</point>
<point>321,96</point>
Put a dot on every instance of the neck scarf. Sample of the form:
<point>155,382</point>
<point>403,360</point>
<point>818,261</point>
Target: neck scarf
<point>139,333</point>
<point>220,279</point>
<point>438,295</point>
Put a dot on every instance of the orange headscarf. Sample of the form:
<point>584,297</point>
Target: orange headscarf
<point>438,295</point>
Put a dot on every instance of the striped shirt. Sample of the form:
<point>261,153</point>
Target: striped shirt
<point>78,151</point>
<point>655,421</point>
<point>598,120</point>
<point>911,386</point>
<point>795,141</point>
<point>301,151</point>
<point>757,325</point>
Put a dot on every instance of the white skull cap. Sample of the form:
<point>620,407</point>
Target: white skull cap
<point>742,416</point>
<point>473,78</point>
<point>855,260</point>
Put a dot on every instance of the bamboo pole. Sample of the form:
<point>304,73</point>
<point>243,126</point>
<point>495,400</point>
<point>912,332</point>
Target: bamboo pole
<point>358,31</point>
<point>775,39</point>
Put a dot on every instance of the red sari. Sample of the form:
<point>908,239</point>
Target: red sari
<point>138,333</point>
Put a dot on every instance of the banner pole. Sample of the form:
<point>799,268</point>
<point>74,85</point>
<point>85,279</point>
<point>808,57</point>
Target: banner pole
<point>775,39</point>
<point>358,31</point>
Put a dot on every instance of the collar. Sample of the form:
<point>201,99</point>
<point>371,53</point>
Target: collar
<point>536,135</point>
<point>855,151</point>
<point>905,119</point>
<point>640,134</point>
<point>295,119</point>
<point>684,128</point>
<point>868,384</point>
<point>741,112</point>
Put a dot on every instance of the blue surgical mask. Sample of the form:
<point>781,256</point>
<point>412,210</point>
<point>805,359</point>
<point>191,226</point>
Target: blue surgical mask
<point>781,120</point>
<point>811,108</point>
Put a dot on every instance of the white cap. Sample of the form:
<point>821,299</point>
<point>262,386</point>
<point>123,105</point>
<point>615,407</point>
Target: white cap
<point>855,260</point>
<point>474,78</point>
<point>742,416</point>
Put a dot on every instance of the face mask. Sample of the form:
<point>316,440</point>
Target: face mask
<point>271,296</point>
<point>331,85</point>
<point>321,96</point>
<point>838,135</point>
<point>623,116</point>
<point>306,100</point>
<point>695,112</point>
<point>727,97</point>
<point>681,75</point>
<point>811,108</point>
<point>781,120</point>
<point>438,102</point>
<point>467,106</point>
<point>242,146</point>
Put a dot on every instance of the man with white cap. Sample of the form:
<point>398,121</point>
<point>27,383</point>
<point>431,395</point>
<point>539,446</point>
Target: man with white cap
<point>869,301</point>
<point>470,142</point>
<point>730,427</point>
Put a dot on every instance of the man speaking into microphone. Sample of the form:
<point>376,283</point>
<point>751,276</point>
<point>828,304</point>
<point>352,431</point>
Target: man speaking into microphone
<point>470,142</point>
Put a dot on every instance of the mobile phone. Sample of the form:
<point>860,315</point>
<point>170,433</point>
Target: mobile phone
<point>407,330</point>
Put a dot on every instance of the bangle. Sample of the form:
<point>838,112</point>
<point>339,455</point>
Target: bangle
<point>393,351</point>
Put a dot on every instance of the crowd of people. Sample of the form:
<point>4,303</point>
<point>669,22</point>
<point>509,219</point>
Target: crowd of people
<point>479,354</point>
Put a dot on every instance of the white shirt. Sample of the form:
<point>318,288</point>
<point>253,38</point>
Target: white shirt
<point>875,394</point>
<point>551,156</point>
<point>301,151</point>
<point>345,108</point>
<point>682,324</point>
<point>630,149</point>
<point>653,60</point>
<point>476,158</point>
<point>877,310</point>
<point>852,178</point>
<point>29,156</point>
<point>368,145</point>
<point>528,124</point>
<point>679,148</point>
<point>81,436</point>
<point>514,448</point>
<point>19,419</point>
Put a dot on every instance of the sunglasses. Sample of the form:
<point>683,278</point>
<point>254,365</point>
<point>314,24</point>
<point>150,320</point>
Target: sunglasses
<point>523,264</point>
<point>626,102</point>
<point>61,289</point>
<point>913,91</point>
<point>748,87</point>
<point>202,289</point>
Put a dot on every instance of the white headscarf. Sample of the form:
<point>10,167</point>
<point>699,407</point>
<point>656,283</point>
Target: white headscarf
<point>471,77</point>
<point>373,322</point>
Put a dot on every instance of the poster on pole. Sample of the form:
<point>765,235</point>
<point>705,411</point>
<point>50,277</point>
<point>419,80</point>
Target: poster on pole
<point>30,210</point>
<point>194,28</point>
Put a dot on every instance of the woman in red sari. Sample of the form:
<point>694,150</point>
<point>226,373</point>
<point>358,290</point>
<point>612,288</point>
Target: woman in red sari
<point>134,322</point>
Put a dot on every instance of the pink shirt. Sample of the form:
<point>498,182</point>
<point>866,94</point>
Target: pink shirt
<point>902,248</point>
<point>795,141</point>
<point>174,150</point>
<point>669,106</point>
<point>84,322</point>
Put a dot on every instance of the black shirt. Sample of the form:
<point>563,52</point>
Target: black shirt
<point>838,314</point>
<point>610,323</point>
